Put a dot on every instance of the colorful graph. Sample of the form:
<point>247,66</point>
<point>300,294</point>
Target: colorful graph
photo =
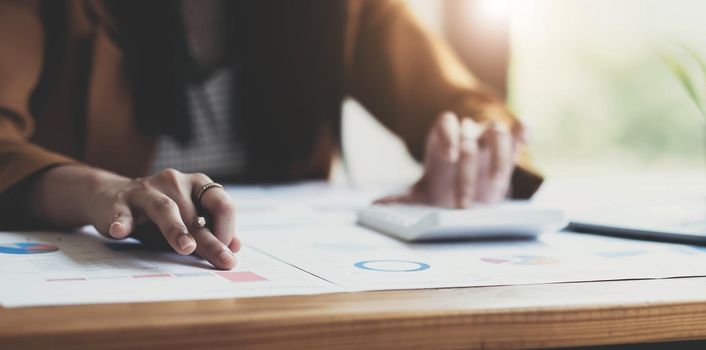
<point>392,265</point>
<point>241,276</point>
<point>27,248</point>
<point>531,260</point>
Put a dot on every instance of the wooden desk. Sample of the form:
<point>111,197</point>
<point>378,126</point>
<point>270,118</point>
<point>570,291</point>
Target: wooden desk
<point>537,316</point>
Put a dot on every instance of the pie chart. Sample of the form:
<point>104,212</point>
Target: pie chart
<point>27,248</point>
<point>392,265</point>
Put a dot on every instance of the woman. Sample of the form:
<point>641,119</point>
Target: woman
<point>97,95</point>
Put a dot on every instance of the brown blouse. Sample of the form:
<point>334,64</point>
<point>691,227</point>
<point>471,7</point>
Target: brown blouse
<point>77,83</point>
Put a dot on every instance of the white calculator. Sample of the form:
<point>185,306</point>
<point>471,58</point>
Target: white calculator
<point>425,223</point>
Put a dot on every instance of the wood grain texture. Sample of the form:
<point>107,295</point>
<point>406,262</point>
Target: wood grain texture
<point>535,316</point>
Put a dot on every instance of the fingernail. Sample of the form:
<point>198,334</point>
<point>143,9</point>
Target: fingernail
<point>225,256</point>
<point>113,228</point>
<point>185,242</point>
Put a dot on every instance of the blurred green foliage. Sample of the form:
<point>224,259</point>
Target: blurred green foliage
<point>588,80</point>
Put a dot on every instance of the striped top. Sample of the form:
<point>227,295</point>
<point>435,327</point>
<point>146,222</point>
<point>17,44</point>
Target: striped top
<point>213,148</point>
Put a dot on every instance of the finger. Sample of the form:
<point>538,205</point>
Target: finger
<point>484,175</point>
<point>520,137</point>
<point>491,187</point>
<point>495,137</point>
<point>467,172</point>
<point>164,212</point>
<point>122,223</point>
<point>235,245</point>
<point>519,132</point>
<point>439,176</point>
<point>440,162</point>
<point>500,147</point>
<point>178,187</point>
<point>219,206</point>
<point>213,250</point>
<point>446,130</point>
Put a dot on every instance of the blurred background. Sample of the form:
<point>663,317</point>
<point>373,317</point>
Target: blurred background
<point>586,76</point>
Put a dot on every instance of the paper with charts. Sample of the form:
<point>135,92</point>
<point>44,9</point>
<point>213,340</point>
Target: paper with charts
<point>303,240</point>
<point>84,268</point>
<point>358,259</point>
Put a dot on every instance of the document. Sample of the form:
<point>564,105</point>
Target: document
<point>358,259</point>
<point>668,206</point>
<point>322,238</point>
<point>57,268</point>
<point>303,239</point>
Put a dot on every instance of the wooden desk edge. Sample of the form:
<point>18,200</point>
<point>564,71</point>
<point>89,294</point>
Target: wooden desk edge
<point>421,319</point>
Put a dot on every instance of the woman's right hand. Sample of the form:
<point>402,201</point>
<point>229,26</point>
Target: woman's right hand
<point>116,205</point>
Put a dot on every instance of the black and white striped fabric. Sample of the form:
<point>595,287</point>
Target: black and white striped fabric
<point>213,149</point>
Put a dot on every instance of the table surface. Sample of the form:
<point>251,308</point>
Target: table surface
<point>530,316</point>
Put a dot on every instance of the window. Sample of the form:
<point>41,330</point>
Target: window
<point>587,76</point>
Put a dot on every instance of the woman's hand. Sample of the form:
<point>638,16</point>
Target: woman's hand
<point>116,205</point>
<point>464,162</point>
